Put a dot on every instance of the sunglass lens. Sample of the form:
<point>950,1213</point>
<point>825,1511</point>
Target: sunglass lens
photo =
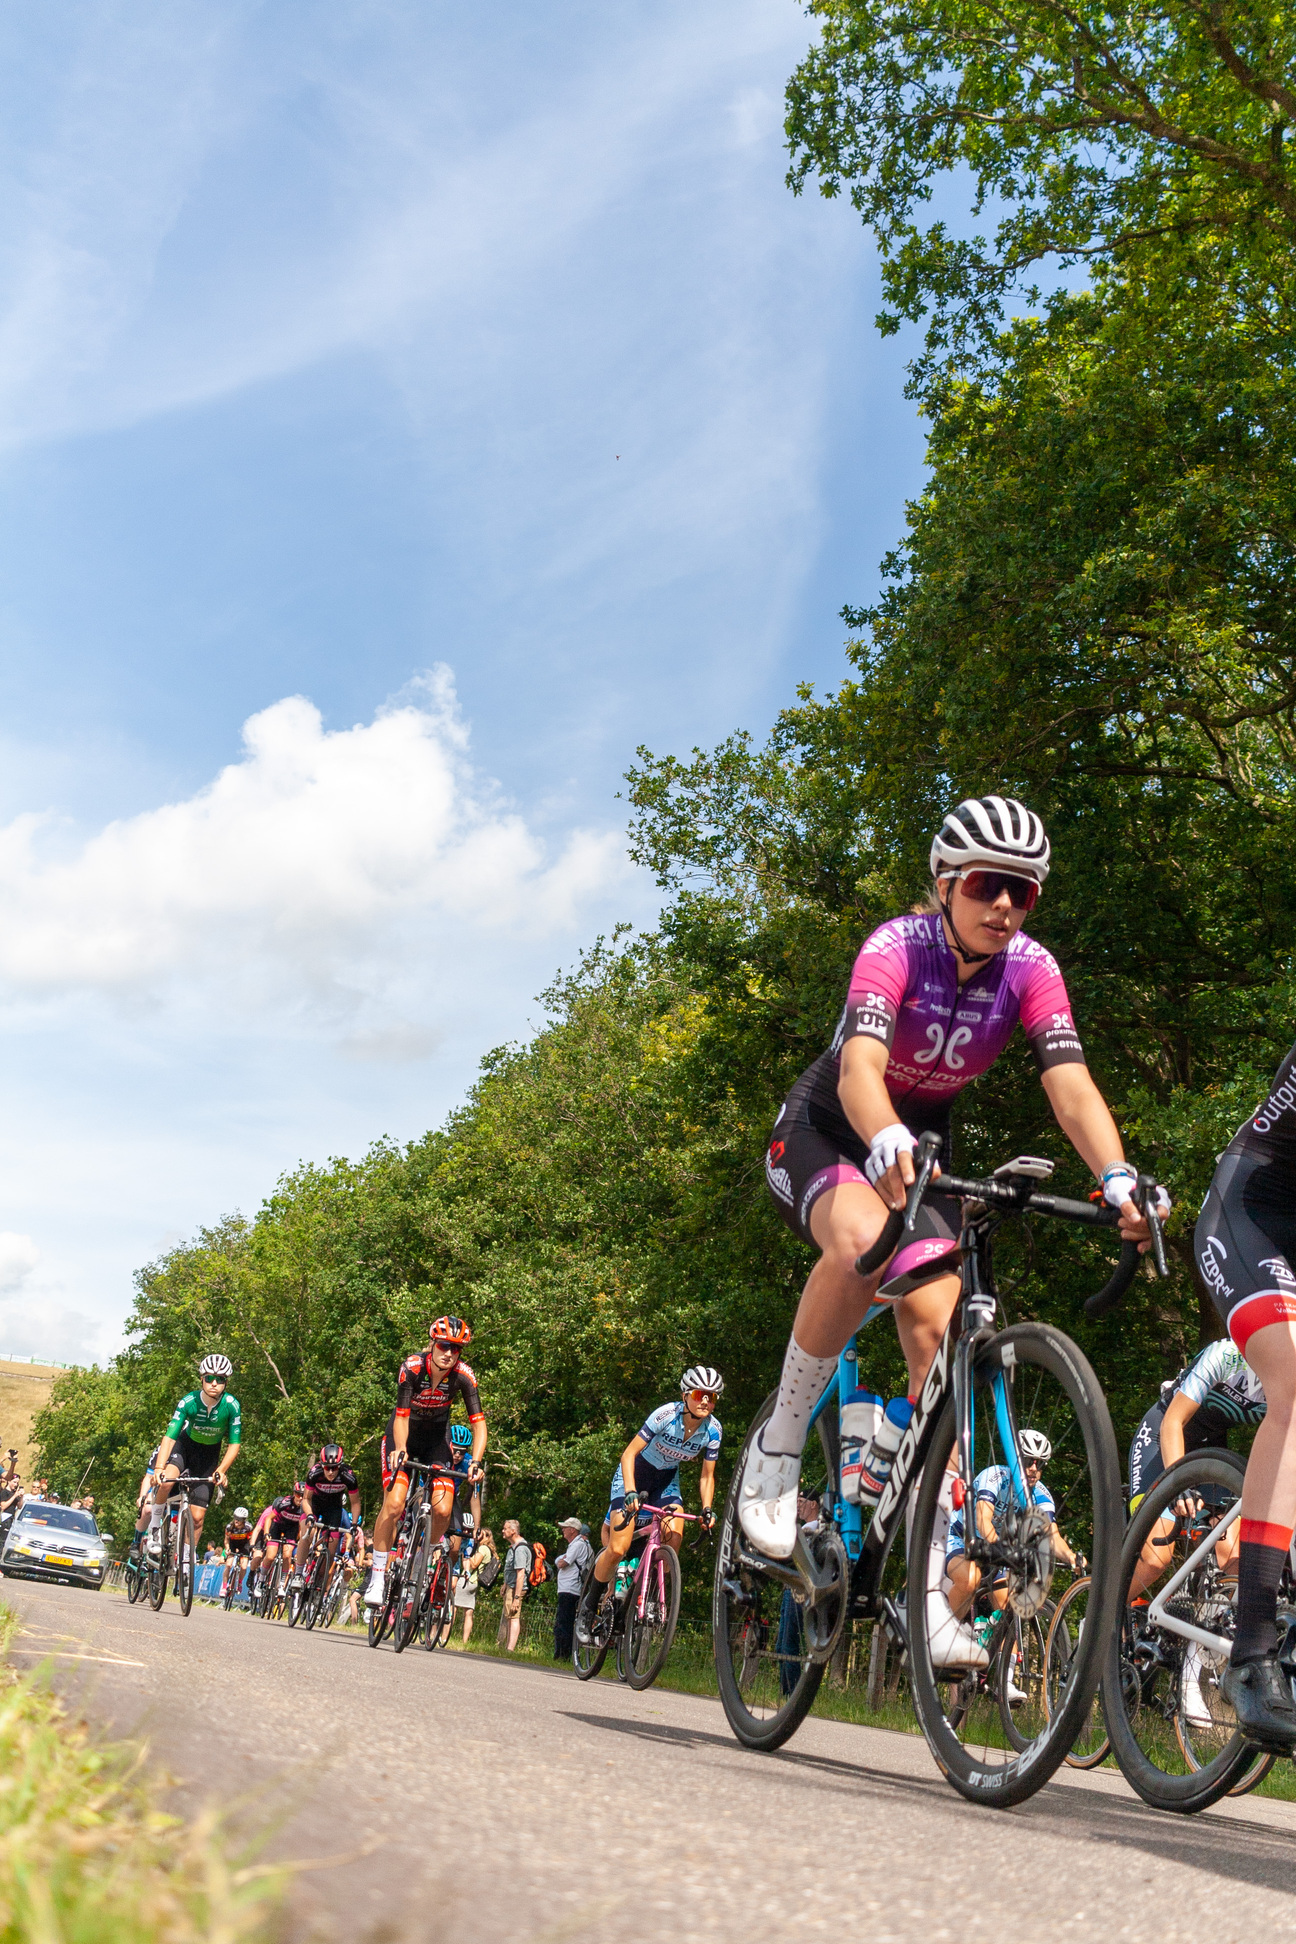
<point>985,886</point>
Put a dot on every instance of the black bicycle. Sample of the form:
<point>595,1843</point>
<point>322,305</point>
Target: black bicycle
<point>409,1567</point>
<point>981,1698</point>
<point>175,1562</point>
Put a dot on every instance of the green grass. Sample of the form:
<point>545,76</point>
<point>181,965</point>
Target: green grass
<point>87,1855</point>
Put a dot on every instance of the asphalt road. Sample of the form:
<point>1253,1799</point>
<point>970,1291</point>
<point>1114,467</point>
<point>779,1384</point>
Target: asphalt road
<point>439,1795</point>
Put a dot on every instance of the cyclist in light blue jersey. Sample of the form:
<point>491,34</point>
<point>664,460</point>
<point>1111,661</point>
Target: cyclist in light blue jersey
<point>672,1435</point>
<point>993,1496</point>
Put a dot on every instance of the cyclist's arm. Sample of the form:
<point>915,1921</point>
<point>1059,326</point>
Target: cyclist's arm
<point>355,1505</point>
<point>400,1432</point>
<point>223,1468</point>
<point>706,1483</point>
<point>1085,1119</point>
<point>861,1089</point>
<point>1173,1425</point>
<point>637,1444</point>
<point>985,1524</point>
<point>165,1449</point>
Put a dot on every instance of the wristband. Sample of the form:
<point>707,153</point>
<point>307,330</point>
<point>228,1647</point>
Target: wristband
<point>1119,1183</point>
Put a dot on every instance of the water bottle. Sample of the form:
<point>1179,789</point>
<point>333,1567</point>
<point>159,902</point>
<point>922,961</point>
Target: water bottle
<point>876,1468</point>
<point>860,1416</point>
<point>625,1574</point>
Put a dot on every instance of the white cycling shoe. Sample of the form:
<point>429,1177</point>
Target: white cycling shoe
<point>376,1591</point>
<point>767,1500</point>
<point>951,1642</point>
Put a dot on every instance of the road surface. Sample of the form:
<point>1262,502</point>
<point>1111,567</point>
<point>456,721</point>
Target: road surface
<point>450,1795</point>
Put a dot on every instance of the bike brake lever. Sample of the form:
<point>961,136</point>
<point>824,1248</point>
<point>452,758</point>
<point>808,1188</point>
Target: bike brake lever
<point>1148,1204</point>
<point>928,1149</point>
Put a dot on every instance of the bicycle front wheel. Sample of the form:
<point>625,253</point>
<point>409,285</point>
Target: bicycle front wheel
<point>1028,1377</point>
<point>409,1608</point>
<point>1172,1731</point>
<point>769,1660</point>
<point>648,1636</point>
<point>133,1578</point>
<point>186,1551</point>
<point>1061,1655</point>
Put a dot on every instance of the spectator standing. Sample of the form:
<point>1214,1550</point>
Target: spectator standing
<point>518,1561</point>
<point>572,1566</point>
<point>465,1594</point>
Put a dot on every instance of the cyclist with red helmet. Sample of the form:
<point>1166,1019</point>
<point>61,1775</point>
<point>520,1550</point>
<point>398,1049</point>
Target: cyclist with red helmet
<point>428,1385</point>
<point>329,1483</point>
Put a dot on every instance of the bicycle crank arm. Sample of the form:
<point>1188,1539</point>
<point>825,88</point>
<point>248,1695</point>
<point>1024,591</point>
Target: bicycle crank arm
<point>809,1585</point>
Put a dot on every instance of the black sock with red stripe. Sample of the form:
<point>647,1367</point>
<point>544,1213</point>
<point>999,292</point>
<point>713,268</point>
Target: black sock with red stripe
<point>1262,1556</point>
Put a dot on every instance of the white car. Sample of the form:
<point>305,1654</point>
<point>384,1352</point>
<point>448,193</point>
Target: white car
<point>53,1542</point>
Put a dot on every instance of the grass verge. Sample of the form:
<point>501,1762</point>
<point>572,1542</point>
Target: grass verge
<point>87,1856</point>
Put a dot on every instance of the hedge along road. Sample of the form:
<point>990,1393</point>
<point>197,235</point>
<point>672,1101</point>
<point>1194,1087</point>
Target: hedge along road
<point>484,1799</point>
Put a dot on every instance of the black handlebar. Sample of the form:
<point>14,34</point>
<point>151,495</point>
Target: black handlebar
<point>1009,1194</point>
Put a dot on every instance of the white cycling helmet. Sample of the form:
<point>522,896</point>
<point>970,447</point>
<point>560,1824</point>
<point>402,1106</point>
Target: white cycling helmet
<point>991,830</point>
<point>1034,1446</point>
<point>702,1377</point>
<point>216,1365</point>
<point>240,1511</point>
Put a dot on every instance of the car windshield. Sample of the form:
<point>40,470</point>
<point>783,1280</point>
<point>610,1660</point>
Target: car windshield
<point>60,1516</point>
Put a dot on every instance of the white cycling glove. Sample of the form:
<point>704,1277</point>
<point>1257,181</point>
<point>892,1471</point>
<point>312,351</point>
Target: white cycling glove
<point>1120,1183</point>
<point>886,1144</point>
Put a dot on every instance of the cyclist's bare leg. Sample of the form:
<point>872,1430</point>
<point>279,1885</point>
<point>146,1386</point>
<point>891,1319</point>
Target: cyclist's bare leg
<point>964,1579</point>
<point>845,1221</point>
<point>617,1541</point>
<point>1269,1491</point>
<point>672,1532</point>
<point>390,1517</point>
<point>443,1498</point>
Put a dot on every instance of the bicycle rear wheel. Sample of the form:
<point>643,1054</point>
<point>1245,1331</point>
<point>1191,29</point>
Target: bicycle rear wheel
<point>648,1636</point>
<point>1092,1745</point>
<point>380,1617</point>
<point>133,1579</point>
<point>1030,1376</point>
<point>1173,1733</point>
<point>438,1603</point>
<point>587,1660</point>
<point>769,1659</point>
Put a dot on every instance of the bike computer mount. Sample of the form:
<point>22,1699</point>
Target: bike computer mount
<point>1025,1164</point>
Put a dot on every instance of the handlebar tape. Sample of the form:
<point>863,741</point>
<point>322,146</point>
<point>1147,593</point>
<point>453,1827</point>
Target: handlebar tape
<point>1122,1276</point>
<point>884,1247</point>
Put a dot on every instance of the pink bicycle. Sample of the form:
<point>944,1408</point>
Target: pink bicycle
<point>642,1619</point>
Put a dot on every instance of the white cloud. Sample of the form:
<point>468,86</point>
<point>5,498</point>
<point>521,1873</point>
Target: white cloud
<point>308,870</point>
<point>18,1258</point>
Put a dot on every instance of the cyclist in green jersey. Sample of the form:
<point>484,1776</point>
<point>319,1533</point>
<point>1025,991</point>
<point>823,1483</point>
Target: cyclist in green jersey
<point>201,1422</point>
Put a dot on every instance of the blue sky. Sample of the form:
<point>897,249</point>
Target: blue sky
<point>405,411</point>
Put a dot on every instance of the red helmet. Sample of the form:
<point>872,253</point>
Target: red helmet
<point>331,1454</point>
<point>449,1329</point>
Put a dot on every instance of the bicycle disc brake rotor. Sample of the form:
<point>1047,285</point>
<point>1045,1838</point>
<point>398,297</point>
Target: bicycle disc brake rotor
<point>825,1616</point>
<point>1029,1583</point>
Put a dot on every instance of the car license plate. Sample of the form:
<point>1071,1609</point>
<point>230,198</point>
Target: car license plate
<point>59,1559</point>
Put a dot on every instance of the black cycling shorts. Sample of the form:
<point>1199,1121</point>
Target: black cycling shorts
<point>284,1535</point>
<point>240,1547</point>
<point>1245,1243</point>
<point>427,1444</point>
<point>802,1163</point>
<point>201,1460</point>
<point>329,1512</point>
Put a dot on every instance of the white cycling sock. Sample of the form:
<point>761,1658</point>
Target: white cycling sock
<point>380,1563</point>
<point>800,1388</point>
<point>156,1517</point>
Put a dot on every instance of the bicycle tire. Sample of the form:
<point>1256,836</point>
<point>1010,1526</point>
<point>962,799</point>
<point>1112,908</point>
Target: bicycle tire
<point>1043,1374</point>
<point>740,1624</point>
<point>587,1661</point>
<point>1188,1794</point>
<point>380,1617</point>
<point>1093,1744</point>
<point>1020,1661</point>
<point>159,1572</point>
<point>438,1595</point>
<point>231,1583</point>
<point>661,1636</point>
<point>409,1612</point>
<point>186,1558</point>
<point>134,1579</point>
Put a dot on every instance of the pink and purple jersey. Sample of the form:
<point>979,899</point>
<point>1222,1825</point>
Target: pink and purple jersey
<point>904,991</point>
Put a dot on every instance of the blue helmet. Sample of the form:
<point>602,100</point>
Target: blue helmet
<point>461,1436</point>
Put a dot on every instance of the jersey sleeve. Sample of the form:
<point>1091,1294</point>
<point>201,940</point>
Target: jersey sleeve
<point>180,1416</point>
<point>714,1435</point>
<point>405,1380</point>
<point>1046,1013</point>
<point>233,1419</point>
<point>1201,1376</point>
<point>987,1484</point>
<point>656,1421</point>
<point>878,984</point>
<point>469,1393</point>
